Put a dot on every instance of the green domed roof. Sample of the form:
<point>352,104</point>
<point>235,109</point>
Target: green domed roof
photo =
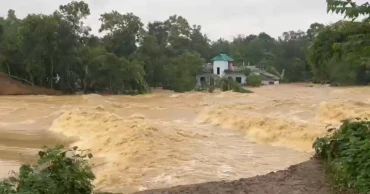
<point>222,57</point>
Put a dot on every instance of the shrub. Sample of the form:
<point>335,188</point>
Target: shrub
<point>347,154</point>
<point>205,87</point>
<point>183,84</point>
<point>211,88</point>
<point>254,80</point>
<point>200,89</point>
<point>55,173</point>
<point>247,72</point>
<point>231,85</point>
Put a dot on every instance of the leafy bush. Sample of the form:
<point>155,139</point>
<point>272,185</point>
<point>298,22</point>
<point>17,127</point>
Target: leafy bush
<point>55,173</point>
<point>254,80</point>
<point>231,85</point>
<point>347,154</point>
<point>181,71</point>
<point>200,89</point>
<point>211,88</point>
<point>183,84</point>
<point>247,72</point>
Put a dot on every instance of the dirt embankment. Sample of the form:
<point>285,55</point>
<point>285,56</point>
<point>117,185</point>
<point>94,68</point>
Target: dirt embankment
<point>305,178</point>
<point>9,86</point>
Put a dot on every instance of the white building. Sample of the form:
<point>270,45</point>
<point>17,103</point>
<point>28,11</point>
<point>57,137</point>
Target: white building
<point>267,78</point>
<point>223,66</point>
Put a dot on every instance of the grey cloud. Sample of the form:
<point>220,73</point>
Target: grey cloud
<point>219,18</point>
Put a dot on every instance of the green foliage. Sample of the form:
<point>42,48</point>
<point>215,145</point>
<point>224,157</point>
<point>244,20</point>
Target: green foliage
<point>266,52</point>
<point>128,59</point>
<point>54,173</point>
<point>124,31</point>
<point>339,54</point>
<point>247,72</point>
<point>132,56</point>
<point>205,87</point>
<point>230,85</point>
<point>254,80</point>
<point>182,71</point>
<point>349,8</point>
<point>347,152</point>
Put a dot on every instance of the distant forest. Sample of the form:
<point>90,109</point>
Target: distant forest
<point>59,51</point>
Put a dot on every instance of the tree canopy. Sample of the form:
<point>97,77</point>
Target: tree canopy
<point>59,51</point>
<point>340,52</point>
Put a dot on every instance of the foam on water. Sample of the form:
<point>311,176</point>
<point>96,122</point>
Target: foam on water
<point>152,141</point>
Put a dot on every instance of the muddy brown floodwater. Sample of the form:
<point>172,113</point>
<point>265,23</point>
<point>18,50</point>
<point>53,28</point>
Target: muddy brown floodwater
<point>166,139</point>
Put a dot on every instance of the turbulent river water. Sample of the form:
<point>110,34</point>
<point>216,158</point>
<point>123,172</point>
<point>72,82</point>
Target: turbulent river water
<point>166,139</point>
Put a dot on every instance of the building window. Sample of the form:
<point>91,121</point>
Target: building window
<point>218,71</point>
<point>238,79</point>
<point>202,79</point>
<point>229,77</point>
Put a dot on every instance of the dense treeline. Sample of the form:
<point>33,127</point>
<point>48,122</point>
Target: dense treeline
<point>341,51</point>
<point>59,51</point>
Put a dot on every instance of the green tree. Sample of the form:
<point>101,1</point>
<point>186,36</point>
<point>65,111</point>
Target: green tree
<point>220,46</point>
<point>199,42</point>
<point>291,56</point>
<point>182,70</point>
<point>37,42</point>
<point>179,32</point>
<point>339,52</point>
<point>160,31</point>
<point>10,59</point>
<point>154,58</point>
<point>314,30</point>
<point>124,32</point>
<point>58,51</point>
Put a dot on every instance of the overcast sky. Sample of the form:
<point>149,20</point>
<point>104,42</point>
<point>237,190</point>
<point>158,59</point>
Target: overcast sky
<point>219,18</point>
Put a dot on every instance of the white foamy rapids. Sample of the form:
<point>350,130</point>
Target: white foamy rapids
<point>131,146</point>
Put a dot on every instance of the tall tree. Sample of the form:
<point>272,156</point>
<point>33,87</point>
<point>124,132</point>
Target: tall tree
<point>340,52</point>
<point>124,32</point>
<point>180,73</point>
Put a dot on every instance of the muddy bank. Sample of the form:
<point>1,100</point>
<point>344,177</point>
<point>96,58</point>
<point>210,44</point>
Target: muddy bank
<point>9,86</point>
<point>305,178</point>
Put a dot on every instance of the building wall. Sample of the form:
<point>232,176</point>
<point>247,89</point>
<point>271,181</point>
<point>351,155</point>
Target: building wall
<point>235,75</point>
<point>265,82</point>
<point>256,73</point>
<point>206,76</point>
<point>223,65</point>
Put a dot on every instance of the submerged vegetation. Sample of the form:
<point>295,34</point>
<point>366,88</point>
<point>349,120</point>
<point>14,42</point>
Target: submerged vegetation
<point>254,80</point>
<point>227,84</point>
